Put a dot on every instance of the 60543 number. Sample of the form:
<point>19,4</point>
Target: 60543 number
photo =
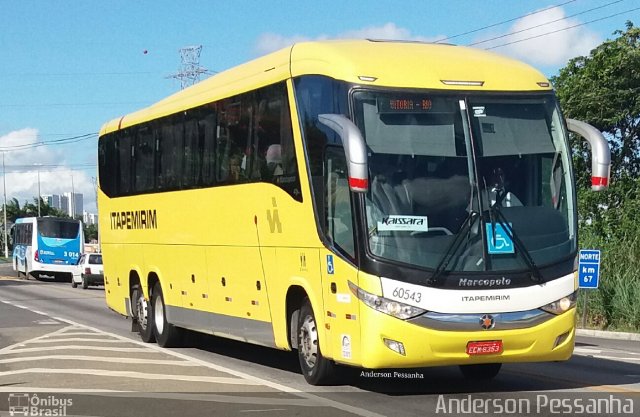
<point>406,294</point>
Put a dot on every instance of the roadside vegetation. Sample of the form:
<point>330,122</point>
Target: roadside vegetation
<point>31,209</point>
<point>603,89</point>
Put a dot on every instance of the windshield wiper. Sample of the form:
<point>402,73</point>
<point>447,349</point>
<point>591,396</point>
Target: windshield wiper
<point>452,249</point>
<point>496,214</point>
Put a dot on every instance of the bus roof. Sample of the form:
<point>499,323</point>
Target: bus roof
<point>365,62</point>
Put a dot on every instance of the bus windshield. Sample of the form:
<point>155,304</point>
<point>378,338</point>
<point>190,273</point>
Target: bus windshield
<point>484,180</point>
<point>56,228</point>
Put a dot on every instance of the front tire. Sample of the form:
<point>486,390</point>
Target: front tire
<point>74,284</point>
<point>167,335</point>
<point>481,372</point>
<point>143,315</point>
<point>316,369</point>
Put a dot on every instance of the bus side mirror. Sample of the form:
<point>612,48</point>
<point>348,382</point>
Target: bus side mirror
<point>355,149</point>
<point>600,153</point>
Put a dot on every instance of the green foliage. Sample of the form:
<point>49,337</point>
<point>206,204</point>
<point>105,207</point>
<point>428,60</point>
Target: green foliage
<point>616,231</point>
<point>90,232</point>
<point>603,90</point>
<point>15,211</point>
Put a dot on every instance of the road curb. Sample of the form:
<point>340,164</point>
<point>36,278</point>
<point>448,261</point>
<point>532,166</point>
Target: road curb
<point>608,335</point>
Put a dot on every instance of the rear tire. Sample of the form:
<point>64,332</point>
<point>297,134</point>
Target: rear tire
<point>316,369</point>
<point>167,335</point>
<point>143,315</point>
<point>481,372</point>
<point>85,283</point>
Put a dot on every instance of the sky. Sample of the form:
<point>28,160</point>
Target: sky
<point>68,66</point>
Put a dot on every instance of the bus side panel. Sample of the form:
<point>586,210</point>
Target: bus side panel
<point>236,281</point>
<point>341,307</point>
<point>298,267</point>
<point>170,264</point>
<point>116,277</point>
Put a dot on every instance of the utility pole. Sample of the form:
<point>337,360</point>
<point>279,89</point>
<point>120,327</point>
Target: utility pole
<point>39,192</point>
<point>72,203</point>
<point>190,70</point>
<point>4,180</point>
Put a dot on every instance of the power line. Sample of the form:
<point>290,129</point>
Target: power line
<point>137,103</point>
<point>75,74</point>
<point>503,22</point>
<point>563,29</point>
<point>63,141</point>
<point>545,23</point>
<point>49,167</point>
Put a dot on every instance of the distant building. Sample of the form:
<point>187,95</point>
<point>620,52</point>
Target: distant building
<point>89,218</point>
<point>53,200</point>
<point>72,204</point>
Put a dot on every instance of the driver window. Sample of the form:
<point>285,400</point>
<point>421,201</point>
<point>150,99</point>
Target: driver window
<point>339,216</point>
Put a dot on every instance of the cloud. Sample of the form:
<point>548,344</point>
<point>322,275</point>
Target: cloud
<point>22,170</point>
<point>548,50</point>
<point>269,42</point>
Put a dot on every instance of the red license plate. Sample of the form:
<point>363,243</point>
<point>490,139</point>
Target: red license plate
<point>491,347</point>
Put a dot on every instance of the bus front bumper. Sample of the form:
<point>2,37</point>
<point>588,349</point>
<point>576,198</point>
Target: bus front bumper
<point>552,340</point>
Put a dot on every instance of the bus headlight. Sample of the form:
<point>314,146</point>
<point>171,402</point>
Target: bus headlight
<point>562,305</point>
<point>384,305</point>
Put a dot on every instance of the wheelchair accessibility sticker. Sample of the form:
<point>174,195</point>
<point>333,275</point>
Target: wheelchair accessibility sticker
<point>330,269</point>
<point>500,243</point>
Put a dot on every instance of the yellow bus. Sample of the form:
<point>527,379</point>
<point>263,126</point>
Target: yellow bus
<point>372,204</point>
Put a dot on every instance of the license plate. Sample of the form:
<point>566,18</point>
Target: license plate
<point>491,347</point>
<point>58,261</point>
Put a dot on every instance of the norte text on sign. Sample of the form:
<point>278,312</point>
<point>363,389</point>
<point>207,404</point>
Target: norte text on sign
<point>589,268</point>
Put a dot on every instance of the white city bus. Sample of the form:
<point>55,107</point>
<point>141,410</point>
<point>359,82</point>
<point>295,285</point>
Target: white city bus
<point>46,246</point>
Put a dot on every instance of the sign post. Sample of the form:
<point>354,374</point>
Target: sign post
<point>588,275</point>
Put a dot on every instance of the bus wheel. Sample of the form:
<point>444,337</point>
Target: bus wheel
<point>316,369</point>
<point>143,315</point>
<point>480,372</point>
<point>167,335</point>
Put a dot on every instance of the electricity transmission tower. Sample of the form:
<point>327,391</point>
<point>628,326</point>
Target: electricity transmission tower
<point>190,70</point>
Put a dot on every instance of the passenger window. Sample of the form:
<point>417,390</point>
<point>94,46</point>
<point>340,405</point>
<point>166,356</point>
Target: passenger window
<point>339,216</point>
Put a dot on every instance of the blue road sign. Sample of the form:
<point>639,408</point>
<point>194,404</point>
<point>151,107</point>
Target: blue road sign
<point>589,268</point>
<point>501,242</point>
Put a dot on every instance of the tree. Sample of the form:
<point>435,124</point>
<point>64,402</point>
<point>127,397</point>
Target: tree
<point>90,232</point>
<point>603,90</point>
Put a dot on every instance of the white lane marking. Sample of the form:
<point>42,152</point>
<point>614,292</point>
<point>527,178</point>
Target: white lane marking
<point>263,410</point>
<point>99,359</point>
<point>131,374</point>
<point>204,396</point>
<point>76,339</point>
<point>7,349</point>
<point>586,351</point>
<point>47,322</point>
<point>74,347</point>
<point>617,358</point>
<point>57,390</point>
<point>308,396</point>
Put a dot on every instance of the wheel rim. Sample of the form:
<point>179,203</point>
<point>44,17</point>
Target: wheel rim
<point>309,341</point>
<point>158,314</point>
<point>141,307</point>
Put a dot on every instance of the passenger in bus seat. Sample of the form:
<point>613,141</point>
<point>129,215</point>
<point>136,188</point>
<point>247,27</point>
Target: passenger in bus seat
<point>274,160</point>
